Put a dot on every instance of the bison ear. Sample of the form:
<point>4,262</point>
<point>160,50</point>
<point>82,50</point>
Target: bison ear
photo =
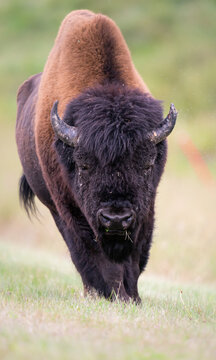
<point>165,128</point>
<point>66,133</point>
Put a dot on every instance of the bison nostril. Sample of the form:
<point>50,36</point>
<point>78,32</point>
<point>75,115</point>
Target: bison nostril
<point>127,221</point>
<point>105,217</point>
<point>105,221</point>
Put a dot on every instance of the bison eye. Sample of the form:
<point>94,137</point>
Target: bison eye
<point>84,167</point>
<point>148,167</point>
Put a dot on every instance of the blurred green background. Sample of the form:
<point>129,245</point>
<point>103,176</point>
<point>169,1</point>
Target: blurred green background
<point>173,46</point>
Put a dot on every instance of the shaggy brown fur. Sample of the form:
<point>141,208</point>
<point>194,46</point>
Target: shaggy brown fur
<point>88,49</point>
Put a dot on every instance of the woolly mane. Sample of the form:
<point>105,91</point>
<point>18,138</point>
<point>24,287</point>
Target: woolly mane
<point>113,120</point>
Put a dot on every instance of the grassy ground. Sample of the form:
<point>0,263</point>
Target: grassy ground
<point>43,313</point>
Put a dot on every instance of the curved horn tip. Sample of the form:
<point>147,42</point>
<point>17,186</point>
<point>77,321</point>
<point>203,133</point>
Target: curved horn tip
<point>55,106</point>
<point>65,132</point>
<point>54,115</point>
<point>172,112</point>
<point>166,127</point>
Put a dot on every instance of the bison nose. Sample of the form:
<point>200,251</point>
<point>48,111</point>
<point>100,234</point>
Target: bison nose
<point>116,220</point>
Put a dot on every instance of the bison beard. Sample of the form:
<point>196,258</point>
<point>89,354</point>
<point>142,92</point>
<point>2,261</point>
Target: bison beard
<point>97,163</point>
<point>117,247</point>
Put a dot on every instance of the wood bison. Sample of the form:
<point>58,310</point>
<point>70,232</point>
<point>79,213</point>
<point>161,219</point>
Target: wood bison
<point>92,143</point>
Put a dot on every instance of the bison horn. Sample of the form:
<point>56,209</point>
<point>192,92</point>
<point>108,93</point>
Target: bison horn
<point>165,128</point>
<point>66,133</point>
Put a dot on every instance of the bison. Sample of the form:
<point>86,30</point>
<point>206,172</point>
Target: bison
<point>92,143</point>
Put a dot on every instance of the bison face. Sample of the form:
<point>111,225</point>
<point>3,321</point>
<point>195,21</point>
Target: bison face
<point>112,152</point>
<point>117,197</point>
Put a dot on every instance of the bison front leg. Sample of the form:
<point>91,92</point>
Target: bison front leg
<point>113,275</point>
<point>101,276</point>
<point>131,275</point>
<point>97,272</point>
<point>109,291</point>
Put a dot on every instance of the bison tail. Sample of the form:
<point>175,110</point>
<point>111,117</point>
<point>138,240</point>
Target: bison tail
<point>26,197</point>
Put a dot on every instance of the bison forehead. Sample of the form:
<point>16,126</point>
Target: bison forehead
<point>113,120</point>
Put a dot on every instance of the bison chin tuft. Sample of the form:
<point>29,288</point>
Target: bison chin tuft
<point>117,248</point>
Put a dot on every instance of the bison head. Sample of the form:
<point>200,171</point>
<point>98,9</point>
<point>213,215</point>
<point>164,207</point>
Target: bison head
<point>112,149</point>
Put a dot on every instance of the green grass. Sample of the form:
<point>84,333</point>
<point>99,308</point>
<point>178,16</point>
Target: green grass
<point>44,313</point>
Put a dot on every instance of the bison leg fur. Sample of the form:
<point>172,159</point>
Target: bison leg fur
<point>97,272</point>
